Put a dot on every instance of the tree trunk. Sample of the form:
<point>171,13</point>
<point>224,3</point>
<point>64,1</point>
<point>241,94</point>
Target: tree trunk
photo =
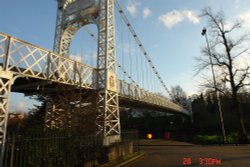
<point>242,133</point>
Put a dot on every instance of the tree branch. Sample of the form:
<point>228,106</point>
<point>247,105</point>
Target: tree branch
<point>235,26</point>
<point>243,77</point>
<point>240,53</point>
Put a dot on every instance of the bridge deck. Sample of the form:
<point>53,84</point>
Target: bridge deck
<point>38,69</point>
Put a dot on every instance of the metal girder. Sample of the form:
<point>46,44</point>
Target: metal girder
<point>21,58</point>
<point>5,86</point>
<point>108,103</point>
<point>133,92</point>
<point>71,16</point>
<point>57,116</point>
<point>6,80</point>
<point>61,17</point>
<point>31,61</point>
<point>34,62</point>
<point>71,109</point>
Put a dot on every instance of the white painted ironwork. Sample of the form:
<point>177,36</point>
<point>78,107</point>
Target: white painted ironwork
<point>133,92</point>
<point>108,104</point>
<point>28,60</point>
<point>72,15</point>
<point>32,61</point>
<point>5,85</point>
<point>6,80</point>
<point>57,113</point>
<point>22,59</point>
<point>19,58</point>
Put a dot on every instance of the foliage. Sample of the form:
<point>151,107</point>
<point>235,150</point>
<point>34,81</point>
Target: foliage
<point>178,95</point>
<point>51,149</point>
<point>31,121</point>
<point>206,116</point>
<point>224,48</point>
<point>232,138</point>
<point>36,116</point>
<point>214,139</point>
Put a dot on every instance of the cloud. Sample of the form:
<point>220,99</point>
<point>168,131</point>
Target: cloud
<point>146,13</point>
<point>245,17</point>
<point>89,57</point>
<point>77,57</point>
<point>174,17</point>
<point>237,1</point>
<point>191,16</point>
<point>242,61</point>
<point>19,106</point>
<point>228,25</point>
<point>132,7</point>
<point>126,48</point>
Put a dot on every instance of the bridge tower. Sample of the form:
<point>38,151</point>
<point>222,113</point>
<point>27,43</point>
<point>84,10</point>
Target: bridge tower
<point>71,16</point>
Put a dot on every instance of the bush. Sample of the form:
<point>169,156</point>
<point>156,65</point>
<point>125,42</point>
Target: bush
<point>198,139</point>
<point>205,139</point>
<point>232,138</point>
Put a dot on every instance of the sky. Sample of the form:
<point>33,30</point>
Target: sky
<point>170,30</point>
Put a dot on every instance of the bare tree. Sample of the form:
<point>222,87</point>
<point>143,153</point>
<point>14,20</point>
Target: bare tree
<point>225,48</point>
<point>178,95</point>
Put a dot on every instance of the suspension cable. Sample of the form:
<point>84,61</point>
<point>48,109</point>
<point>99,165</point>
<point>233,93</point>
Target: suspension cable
<point>122,43</point>
<point>137,64</point>
<point>129,54</point>
<point>125,19</point>
<point>142,48</point>
<point>125,73</point>
<point>142,70</point>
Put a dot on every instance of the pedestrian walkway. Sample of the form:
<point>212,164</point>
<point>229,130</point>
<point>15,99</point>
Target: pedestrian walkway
<point>160,153</point>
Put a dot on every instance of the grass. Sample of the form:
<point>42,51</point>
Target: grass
<point>232,138</point>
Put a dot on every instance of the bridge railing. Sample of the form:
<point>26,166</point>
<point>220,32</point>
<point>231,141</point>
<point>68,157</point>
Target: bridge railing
<point>134,92</point>
<point>25,59</point>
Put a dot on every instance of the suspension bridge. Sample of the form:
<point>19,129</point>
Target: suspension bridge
<point>119,78</point>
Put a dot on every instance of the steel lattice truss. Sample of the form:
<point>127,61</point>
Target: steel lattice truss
<point>71,108</point>
<point>133,92</point>
<point>32,61</point>
<point>21,59</point>
<point>71,16</point>
<point>108,103</point>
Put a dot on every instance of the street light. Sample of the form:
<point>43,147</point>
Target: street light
<point>204,33</point>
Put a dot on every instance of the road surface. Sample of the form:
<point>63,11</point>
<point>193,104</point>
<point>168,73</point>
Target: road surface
<point>161,153</point>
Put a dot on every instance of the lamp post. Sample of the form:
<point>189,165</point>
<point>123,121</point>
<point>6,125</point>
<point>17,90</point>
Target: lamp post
<point>204,33</point>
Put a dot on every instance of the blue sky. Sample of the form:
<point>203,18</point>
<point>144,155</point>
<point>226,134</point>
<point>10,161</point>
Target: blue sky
<point>169,29</point>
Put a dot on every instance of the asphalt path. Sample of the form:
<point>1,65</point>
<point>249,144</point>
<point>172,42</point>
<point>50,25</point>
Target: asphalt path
<point>162,153</point>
